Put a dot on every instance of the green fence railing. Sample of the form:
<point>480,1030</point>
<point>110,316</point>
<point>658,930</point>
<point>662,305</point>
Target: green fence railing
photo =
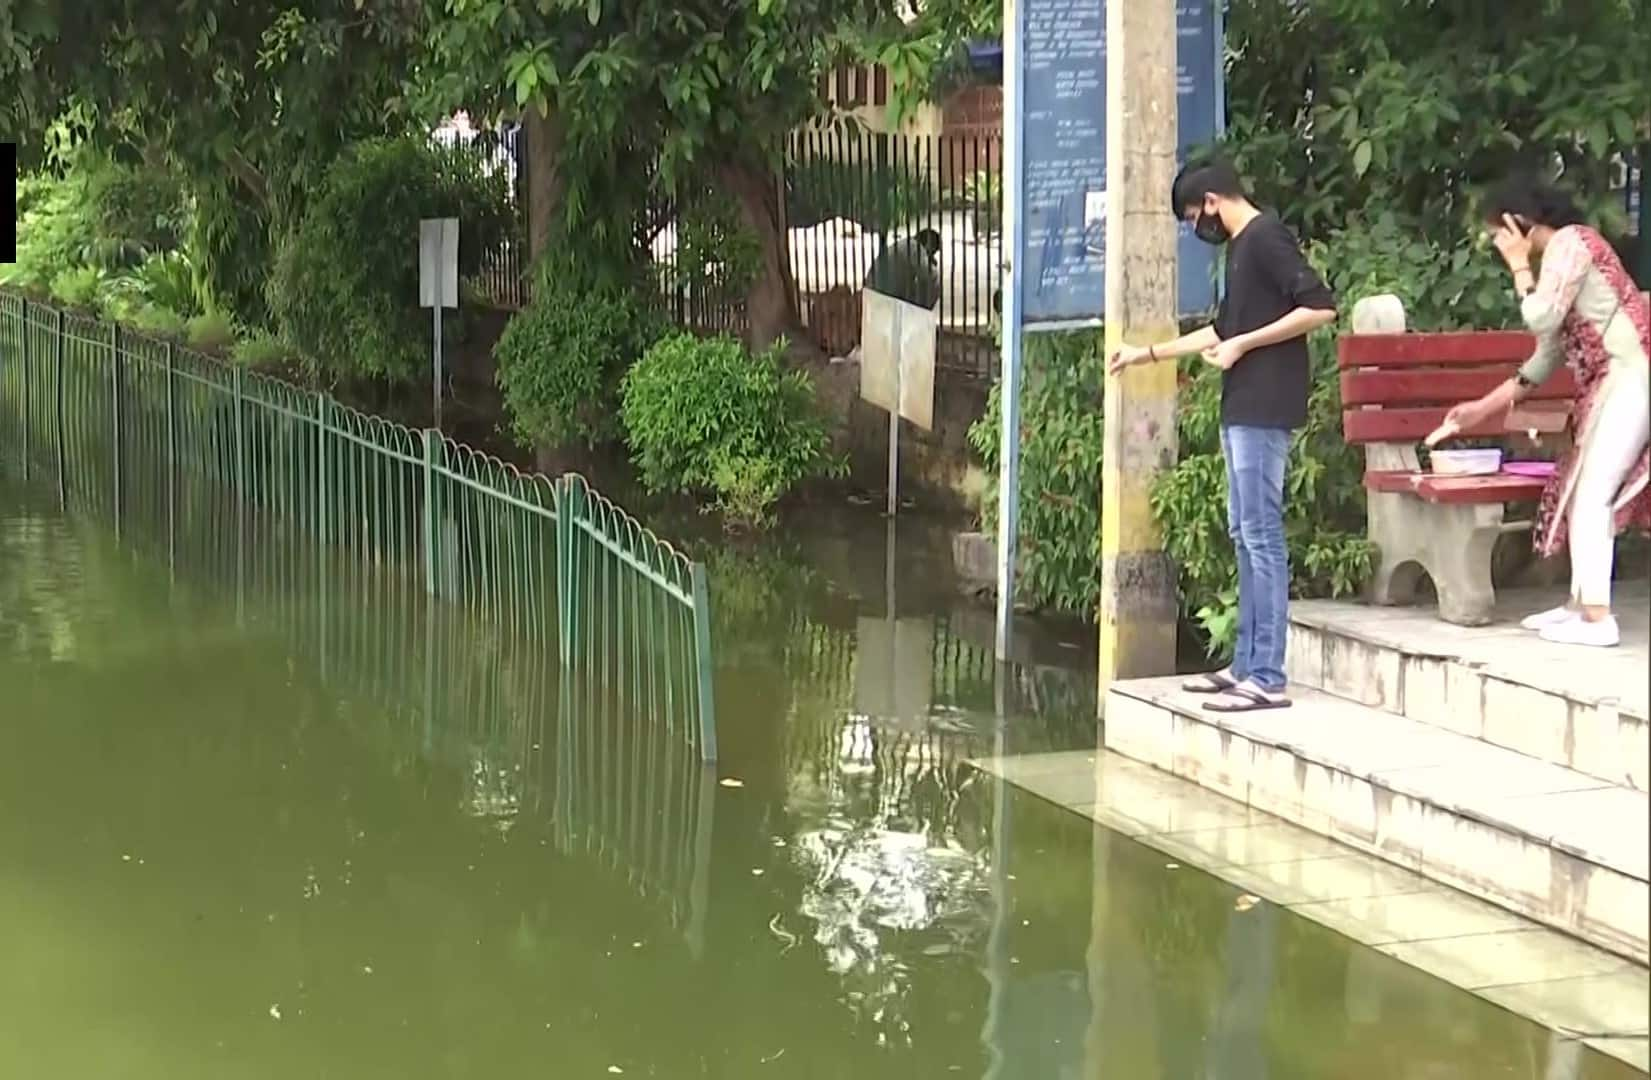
<point>131,427</point>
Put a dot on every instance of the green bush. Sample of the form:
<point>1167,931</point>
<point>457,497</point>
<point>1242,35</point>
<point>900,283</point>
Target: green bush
<point>1060,470</point>
<point>80,287</point>
<point>212,331</point>
<point>167,280</point>
<point>704,416</point>
<point>261,349</point>
<point>96,214</point>
<point>158,321</point>
<point>345,287</point>
<point>138,210</point>
<point>561,359</point>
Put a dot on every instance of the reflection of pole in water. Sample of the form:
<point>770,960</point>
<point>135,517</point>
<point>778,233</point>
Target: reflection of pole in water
<point>699,891</point>
<point>997,942</point>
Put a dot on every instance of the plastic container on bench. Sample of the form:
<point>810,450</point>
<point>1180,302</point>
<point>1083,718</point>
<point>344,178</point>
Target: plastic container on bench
<point>1467,462</point>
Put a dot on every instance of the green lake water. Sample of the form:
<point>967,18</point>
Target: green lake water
<point>259,822</point>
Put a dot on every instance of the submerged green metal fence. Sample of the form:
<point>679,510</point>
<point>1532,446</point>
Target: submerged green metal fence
<point>119,422</point>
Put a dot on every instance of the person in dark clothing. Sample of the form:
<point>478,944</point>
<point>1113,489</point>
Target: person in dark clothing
<point>909,270</point>
<point>1273,300</point>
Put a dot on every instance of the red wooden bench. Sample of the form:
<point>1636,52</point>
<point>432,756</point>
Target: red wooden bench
<point>1395,390</point>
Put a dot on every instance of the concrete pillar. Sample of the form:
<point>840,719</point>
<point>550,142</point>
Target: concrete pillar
<point>1138,579</point>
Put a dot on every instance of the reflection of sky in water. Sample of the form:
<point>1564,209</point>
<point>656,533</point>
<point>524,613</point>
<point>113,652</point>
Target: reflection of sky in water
<point>882,882</point>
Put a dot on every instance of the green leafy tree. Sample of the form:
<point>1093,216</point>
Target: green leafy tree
<point>248,101</point>
<point>1349,109</point>
<point>703,92</point>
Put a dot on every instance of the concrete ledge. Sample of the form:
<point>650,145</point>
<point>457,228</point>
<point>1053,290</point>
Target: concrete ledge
<point>1582,709</point>
<point>1559,846</point>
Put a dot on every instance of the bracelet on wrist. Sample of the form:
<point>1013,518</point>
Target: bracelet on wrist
<point>1152,353</point>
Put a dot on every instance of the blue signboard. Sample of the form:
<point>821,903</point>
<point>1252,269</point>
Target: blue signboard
<point>1063,124</point>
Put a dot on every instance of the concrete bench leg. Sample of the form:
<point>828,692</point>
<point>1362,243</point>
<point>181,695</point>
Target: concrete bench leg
<point>1453,544</point>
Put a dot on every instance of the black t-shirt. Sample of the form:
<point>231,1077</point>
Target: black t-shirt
<point>1267,278</point>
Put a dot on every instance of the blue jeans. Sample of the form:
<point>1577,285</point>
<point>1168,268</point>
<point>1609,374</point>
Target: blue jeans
<point>1256,458</point>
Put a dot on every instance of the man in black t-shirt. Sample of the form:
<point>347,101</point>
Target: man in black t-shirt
<point>1259,341</point>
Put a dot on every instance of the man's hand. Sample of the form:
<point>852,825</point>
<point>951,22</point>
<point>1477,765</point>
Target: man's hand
<point>1128,356</point>
<point>1224,355</point>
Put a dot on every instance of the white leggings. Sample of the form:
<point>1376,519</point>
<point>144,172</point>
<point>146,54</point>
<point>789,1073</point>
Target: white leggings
<point>1621,427</point>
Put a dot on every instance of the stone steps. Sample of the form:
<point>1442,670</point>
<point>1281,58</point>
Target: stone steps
<point>1580,708</point>
<point>1557,844</point>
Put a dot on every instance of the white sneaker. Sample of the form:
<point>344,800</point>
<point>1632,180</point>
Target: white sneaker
<point>1599,635</point>
<point>1552,617</point>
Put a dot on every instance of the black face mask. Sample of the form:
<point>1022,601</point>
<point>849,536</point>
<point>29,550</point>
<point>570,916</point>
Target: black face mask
<point>1209,228</point>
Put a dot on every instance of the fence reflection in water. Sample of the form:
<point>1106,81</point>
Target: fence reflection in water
<point>535,741</point>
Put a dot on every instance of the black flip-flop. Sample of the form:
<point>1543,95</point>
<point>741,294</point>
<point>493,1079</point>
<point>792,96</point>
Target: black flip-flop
<point>1212,683</point>
<point>1246,700</point>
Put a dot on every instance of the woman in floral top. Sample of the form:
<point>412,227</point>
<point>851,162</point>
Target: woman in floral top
<point>1586,312</point>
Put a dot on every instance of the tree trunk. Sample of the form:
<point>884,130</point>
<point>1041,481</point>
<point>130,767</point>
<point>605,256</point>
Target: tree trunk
<point>545,184</point>
<point>770,306</point>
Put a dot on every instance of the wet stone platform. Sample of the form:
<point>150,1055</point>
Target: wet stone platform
<point>1471,800</point>
<point>1581,992</point>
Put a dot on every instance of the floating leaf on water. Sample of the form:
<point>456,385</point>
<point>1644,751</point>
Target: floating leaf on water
<point>938,950</point>
<point>1246,902</point>
<point>615,1070</point>
<point>1172,866</point>
<point>731,782</point>
<point>275,1011</point>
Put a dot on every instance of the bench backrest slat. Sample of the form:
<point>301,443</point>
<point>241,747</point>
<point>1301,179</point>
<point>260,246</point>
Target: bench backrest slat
<point>1398,387</point>
<point>1470,348</point>
<point>1413,425</point>
<point>1445,387</point>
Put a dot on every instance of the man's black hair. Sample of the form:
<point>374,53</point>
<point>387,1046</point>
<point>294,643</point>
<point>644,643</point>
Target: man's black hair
<point>1529,196</point>
<point>929,240</point>
<point>1214,176</point>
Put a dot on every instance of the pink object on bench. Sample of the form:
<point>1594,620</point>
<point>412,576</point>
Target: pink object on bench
<point>1535,469</point>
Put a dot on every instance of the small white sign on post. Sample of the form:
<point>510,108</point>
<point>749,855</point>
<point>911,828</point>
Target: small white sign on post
<point>897,346</point>
<point>438,284</point>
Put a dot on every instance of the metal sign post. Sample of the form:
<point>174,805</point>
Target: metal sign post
<point>1055,198</point>
<point>438,288</point>
<point>1014,230</point>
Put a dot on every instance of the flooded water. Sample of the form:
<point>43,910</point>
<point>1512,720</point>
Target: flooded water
<point>255,827</point>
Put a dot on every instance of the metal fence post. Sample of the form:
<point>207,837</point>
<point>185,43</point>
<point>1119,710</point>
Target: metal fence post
<point>430,449</point>
<point>62,480</point>
<point>28,443</point>
<point>323,470</point>
<point>115,411</point>
<point>240,497</point>
<point>702,665</point>
<point>171,462</point>
<point>240,434</point>
<point>567,535</point>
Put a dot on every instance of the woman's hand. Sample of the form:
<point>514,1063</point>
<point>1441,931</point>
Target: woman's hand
<point>1469,414</point>
<point>1514,244</point>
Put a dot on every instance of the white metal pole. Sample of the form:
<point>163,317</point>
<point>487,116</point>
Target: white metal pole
<point>899,337</point>
<point>435,381</point>
<point>1014,219</point>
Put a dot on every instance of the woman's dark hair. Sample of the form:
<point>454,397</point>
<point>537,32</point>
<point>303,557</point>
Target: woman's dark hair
<point>1534,199</point>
